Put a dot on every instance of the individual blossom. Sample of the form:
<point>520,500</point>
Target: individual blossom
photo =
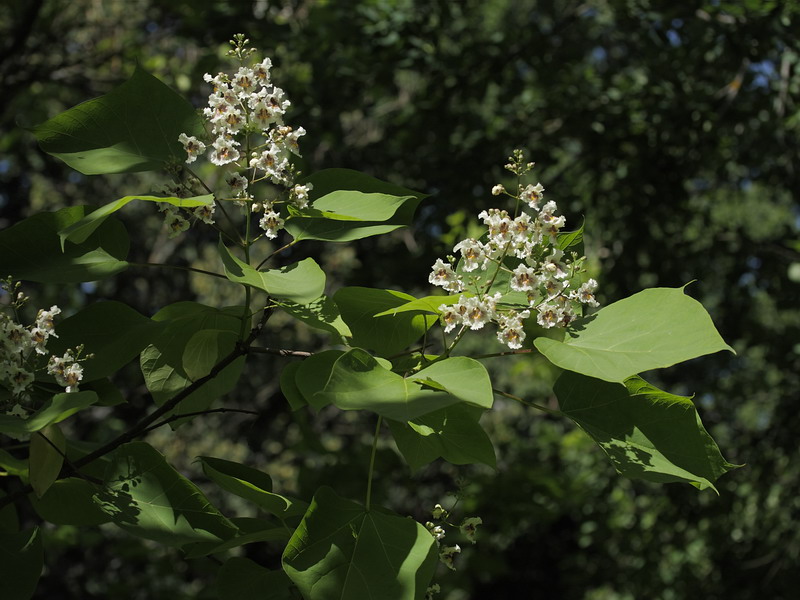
<point>237,183</point>
<point>549,315</point>
<point>451,316</point>
<point>224,151</point>
<point>271,223</point>
<point>524,278</point>
<point>442,274</point>
<point>175,223</point>
<point>244,81</point>
<point>44,319</point>
<point>511,330</point>
<point>438,512</point>
<point>585,293</point>
<point>299,194</point>
<point>470,526</point>
<point>551,224</point>
<point>499,224</point>
<point>433,589</point>
<point>498,189</point>
<point>471,253</point>
<point>447,555</point>
<point>532,194</point>
<point>479,312</point>
<point>19,378</point>
<point>205,213</point>
<point>66,370</point>
<point>193,147</point>
<point>437,531</point>
<point>553,266</point>
<point>261,71</point>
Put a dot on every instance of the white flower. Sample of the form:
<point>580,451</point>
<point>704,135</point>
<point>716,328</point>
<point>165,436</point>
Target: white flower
<point>438,511</point>
<point>585,293</point>
<point>533,194</point>
<point>19,378</point>
<point>442,274</point>
<point>193,147</point>
<point>469,526</point>
<point>175,223</point>
<point>524,279</point>
<point>478,312</point>
<point>300,194</point>
<point>498,189</point>
<point>550,223</point>
<point>437,531</point>
<point>552,265</point>
<point>451,316</point>
<point>447,555</point>
<point>271,223</point>
<point>292,138</point>
<point>44,320</point>
<point>433,589</point>
<point>224,151</point>
<point>237,183</point>
<point>471,251</point>
<point>205,213</point>
<point>499,224</point>
<point>244,81</point>
<point>511,332</point>
<point>261,71</point>
<point>549,315</point>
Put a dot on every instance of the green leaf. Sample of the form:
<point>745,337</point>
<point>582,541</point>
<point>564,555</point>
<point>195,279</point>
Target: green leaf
<point>107,393</point>
<point>322,313</point>
<point>21,562</point>
<point>647,433</point>
<point>357,381</point>
<point>9,522</point>
<point>289,386</point>
<point>112,331</point>
<point>164,362</point>
<point>302,282</point>
<point>241,578</point>
<point>333,189</point>
<point>135,127</point>
<point>655,328</point>
<point>31,249</point>
<point>80,231</point>
<point>46,457</point>
<point>312,375</point>
<point>571,241</point>
<point>384,335</point>
<point>147,497</point>
<point>340,550</point>
<point>13,466</point>
<point>273,534</point>
<point>452,433</point>
<point>429,304</point>
<point>55,410</point>
<point>250,484</point>
<point>70,502</point>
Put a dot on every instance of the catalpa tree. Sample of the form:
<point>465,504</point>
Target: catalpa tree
<point>522,285</point>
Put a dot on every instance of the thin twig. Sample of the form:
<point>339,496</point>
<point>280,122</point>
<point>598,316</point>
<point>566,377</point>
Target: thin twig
<point>279,352</point>
<point>166,266</point>
<point>507,353</point>
<point>198,413</point>
<point>527,402</point>
<point>88,478</point>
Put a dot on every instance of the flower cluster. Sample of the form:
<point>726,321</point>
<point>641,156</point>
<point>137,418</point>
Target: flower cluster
<point>245,113</point>
<point>22,350</point>
<point>468,528</point>
<point>515,269</point>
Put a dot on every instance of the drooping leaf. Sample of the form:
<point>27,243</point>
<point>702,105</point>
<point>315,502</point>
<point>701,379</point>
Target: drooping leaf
<point>655,328</point>
<point>80,231</point>
<point>333,180</point>
<point>241,578</point>
<point>452,433</point>
<point>340,550</point>
<point>322,313</point>
<point>31,249</point>
<point>55,410</point>
<point>385,335</point>
<point>301,282</point>
<point>312,375</point>
<point>250,484</point>
<point>69,502</point>
<point>358,381</point>
<point>164,362</point>
<point>289,387</point>
<point>46,457</point>
<point>147,497</point>
<point>646,432</point>
<point>21,562</point>
<point>135,127</point>
<point>112,331</point>
<point>351,205</point>
<point>571,241</point>
<point>10,465</point>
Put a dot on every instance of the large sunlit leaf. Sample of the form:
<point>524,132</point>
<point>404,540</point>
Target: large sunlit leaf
<point>111,331</point>
<point>47,448</point>
<point>322,313</point>
<point>452,433</point>
<point>340,550</point>
<point>31,249</point>
<point>194,338</point>
<point>655,328</point>
<point>55,410</point>
<point>358,381</point>
<point>647,433</point>
<point>301,282</point>
<point>384,335</point>
<point>79,231</point>
<point>383,206</point>
<point>21,562</point>
<point>147,497</point>
<point>241,578</point>
<point>250,484</point>
<point>135,127</point>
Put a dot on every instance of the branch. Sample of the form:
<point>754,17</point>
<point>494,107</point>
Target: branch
<point>175,417</point>
<point>279,352</point>
<point>528,403</point>
<point>144,424</point>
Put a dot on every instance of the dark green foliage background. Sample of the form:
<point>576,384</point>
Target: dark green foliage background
<point>672,127</point>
